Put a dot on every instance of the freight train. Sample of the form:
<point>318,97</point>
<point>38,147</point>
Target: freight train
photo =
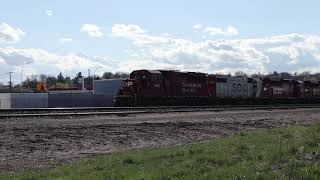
<point>168,87</point>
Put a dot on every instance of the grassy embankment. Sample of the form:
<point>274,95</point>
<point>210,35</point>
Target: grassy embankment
<point>290,153</point>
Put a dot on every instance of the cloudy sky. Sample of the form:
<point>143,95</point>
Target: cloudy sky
<point>205,35</point>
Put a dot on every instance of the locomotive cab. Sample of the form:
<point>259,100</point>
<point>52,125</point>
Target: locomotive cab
<point>147,82</point>
<point>141,84</point>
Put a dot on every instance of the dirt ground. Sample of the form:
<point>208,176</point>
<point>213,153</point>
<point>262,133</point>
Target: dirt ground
<point>38,143</point>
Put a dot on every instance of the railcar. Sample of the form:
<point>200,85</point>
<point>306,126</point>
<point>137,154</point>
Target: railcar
<point>238,87</point>
<point>162,87</point>
<point>311,89</point>
<point>167,87</point>
<point>279,87</point>
<point>281,91</point>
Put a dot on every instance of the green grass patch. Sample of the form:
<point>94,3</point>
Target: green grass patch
<point>290,153</point>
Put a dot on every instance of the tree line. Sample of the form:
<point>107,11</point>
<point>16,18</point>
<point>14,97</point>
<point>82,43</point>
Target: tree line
<point>62,81</point>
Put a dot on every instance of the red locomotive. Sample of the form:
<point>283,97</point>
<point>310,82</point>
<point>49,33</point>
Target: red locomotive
<point>311,88</point>
<point>168,87</point>
<point>279,87</point>
<point>160,87</point>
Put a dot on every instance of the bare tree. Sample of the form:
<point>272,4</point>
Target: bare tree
<point>240,73</point>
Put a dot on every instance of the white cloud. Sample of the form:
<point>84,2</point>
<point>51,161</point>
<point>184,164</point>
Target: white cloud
<point>230,31</point>
<point>289,52</point>
<point>197,26</point>
<point>49,12</point>
<point>165,34</point>
<point>65,40</point>
<point>9,34</point>
<point>138,35</point>
<point>92,30</point>
<point>44,62</point>
<point>130,30</point>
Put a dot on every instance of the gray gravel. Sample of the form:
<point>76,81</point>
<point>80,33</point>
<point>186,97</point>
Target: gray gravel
<point>39,143</point>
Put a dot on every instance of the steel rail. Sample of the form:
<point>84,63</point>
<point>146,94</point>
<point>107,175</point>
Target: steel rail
<point>155,110</point>
<point>147,107</point>
<point>70,114</point>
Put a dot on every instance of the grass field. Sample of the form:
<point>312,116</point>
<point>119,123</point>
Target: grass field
<point>289,153</point>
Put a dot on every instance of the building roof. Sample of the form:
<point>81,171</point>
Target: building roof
<point>154,71</point>
<point>102,80</point>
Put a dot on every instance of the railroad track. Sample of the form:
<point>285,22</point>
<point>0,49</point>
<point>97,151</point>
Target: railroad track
<point>124,111</point>
<point>70,114</point>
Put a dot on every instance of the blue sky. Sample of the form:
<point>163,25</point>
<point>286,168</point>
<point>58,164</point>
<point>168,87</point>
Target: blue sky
<point>204,35</point>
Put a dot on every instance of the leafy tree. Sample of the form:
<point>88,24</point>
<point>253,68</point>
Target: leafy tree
<point>75,80</point>
<point>120,75</point>
<point>96,77</point>
<point>256,75</point>
<point>79,75</point>
<point>51,81</point>
<point>67,79</point>
<point>60,78</point>
<point>117,75</point>
<point>107,75</point>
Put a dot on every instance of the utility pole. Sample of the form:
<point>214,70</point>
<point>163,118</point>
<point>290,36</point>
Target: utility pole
<point>22,66</point>
<point>89,81</point>
<point>82,84</point>
<point>94,75</point>
<point>10,82</point>
<point>81,80</point>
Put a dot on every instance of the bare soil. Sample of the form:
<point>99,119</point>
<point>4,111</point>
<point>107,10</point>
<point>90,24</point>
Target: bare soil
<point>38,143</point>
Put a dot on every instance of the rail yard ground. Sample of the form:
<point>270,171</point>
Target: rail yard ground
<point>43,143</point>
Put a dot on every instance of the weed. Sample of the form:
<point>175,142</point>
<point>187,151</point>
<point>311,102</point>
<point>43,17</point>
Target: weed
<point>289,153</point>
<point>128,161</point>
